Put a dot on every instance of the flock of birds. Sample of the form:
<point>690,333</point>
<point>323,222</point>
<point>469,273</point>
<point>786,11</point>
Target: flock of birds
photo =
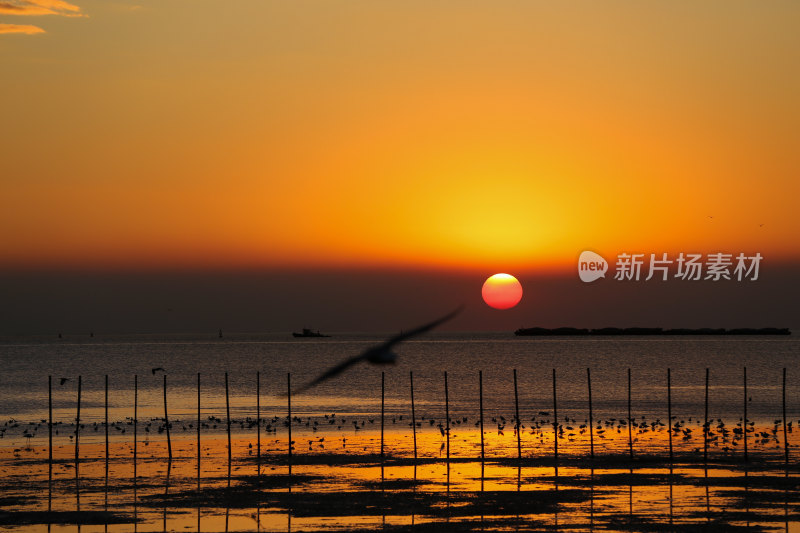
<point>541,427</point>
<point>719,434</point>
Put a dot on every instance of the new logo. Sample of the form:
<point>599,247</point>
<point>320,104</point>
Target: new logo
<point>591,266</point>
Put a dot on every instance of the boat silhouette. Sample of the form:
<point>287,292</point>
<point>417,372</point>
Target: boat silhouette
<point>309,333</point>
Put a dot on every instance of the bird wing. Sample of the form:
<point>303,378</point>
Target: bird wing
<point>338,369</point>
<point>421,329</point>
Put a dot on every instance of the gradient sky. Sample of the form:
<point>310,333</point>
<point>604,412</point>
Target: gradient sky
<point>406,137</point>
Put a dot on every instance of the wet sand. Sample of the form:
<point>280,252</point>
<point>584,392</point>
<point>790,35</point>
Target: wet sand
<point>338,480</point>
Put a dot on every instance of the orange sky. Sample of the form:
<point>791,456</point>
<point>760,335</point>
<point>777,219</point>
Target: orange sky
<point>511,135</point>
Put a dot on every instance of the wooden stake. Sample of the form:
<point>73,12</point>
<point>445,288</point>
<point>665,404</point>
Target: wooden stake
<point>669,411</point>
<point>50,443</point>
<point>630,419</point>
<point>383,399</point>
<point>77,426</point>
<point>518,424</point>
<point>555,422</point>
<point>705,425</point>
<point>198,431</point>
<point>447,417</point>
<point>106,423</point>
<point>258,426</point>
<point>480,400</point>
<point>228,423</point>
<point>77,437</point>
<point>591,418</point>
<point>744,425</point>
<point>289,409</point>
<point>166,421</point>
<point>135,421</point>
<point>785,435</point>
<point>413,414</point>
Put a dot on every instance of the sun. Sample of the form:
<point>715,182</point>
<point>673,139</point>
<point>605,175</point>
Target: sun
<point>502,291</point>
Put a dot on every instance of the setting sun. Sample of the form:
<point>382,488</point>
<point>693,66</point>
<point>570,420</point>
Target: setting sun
<point>502,291</point>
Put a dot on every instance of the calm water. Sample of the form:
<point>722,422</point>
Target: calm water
<point>27,364</point>
<point>611,497</point>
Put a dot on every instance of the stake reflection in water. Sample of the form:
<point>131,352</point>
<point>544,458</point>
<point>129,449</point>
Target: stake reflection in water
<point>671,494</point>
<point>166,492</point>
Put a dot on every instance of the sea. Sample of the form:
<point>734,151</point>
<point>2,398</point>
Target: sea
<point>450,371</point>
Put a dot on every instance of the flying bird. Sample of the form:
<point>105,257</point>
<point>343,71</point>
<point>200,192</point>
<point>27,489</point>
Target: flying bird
<point>64,380</point>
<point>157,369</point>
<point>380,354</point>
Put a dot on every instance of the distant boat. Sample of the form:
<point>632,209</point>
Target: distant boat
<point>309,333</point>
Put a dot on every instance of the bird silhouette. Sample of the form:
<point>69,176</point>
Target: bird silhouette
<point>64,380</point>
<point>380,354</point>
<point>157,369</point>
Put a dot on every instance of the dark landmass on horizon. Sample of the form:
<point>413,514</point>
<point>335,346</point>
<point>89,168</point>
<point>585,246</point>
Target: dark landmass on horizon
<point>545,332</point>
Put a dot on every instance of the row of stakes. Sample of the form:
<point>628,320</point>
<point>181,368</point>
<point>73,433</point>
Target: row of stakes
<point>413,419</point>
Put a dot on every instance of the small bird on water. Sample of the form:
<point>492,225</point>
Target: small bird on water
<point>380,354</point>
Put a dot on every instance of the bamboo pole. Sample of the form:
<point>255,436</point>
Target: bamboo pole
<point>198,431</point>
<point>705,424</point>
<point>518,424</point>
<point>785,435</point>
<point>447,417</point>
<point>135,422</point>
<point>383,416</point>
<point>77,453</point>
<point>480,400</point>
<point>50,443</point>
<point>50,424</point>
<point>744,424</point>
<point>591,417</point>
<point>555,423</point>
<point>289,410</point>
<point>106,424</point>
<point>413,414</point>
<point>630,418</point>
<point>77,425</point>
<point>166,420</point>
<point>669,411</point>
<point>228,424</point>
<point>258,426</point>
